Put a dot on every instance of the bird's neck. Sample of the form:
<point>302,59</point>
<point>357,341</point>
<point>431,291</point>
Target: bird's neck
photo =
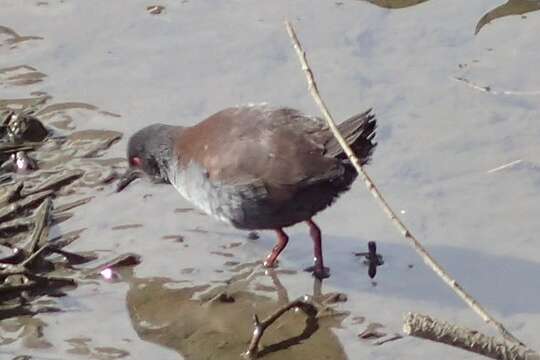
<point>163,151</point>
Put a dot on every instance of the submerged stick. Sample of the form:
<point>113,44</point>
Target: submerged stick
<point>426,327</point>
<point>261,326</point>
<point>128,259</point>
<point>54,183</point>
<point>40,230</point>
<point>35,245</point>
<point>428,259</point>
<point>489,89</point>
<point>65,207</point>
<point>505,166</point>
<point>9,228</point>
<point>12,194</point>
<point>12,148</point>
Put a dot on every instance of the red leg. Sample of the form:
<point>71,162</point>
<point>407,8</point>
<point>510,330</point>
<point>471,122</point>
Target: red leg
<point>282,240</point>
<point>318,269</point>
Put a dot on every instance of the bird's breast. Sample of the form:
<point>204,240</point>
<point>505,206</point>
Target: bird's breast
<point>218,200</point>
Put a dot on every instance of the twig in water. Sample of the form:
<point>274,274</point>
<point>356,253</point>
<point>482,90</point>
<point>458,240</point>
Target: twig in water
<point>65,207</point>
<point>128,259</point>
<point>260,326</point>
<point>40,230</point>
<point>54,183</point>
<point>488,89</point>
<point>498,168</point>
<point>425,327</point>
<point>428,259</point>
<point>388,339</point>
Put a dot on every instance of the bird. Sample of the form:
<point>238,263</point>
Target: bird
<point>255,167</point>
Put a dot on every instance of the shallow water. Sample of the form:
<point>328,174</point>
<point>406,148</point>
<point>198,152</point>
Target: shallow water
<point>115,67</point>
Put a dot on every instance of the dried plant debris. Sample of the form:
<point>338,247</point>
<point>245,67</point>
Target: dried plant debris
<point>108,268</point>
<point>32,264</point>
<point>39,162</point>
<point>21,126</point>
<point>395,4</point>
<point>24,274</point>
<point>372,332</point>
<point>512,7</point>
<point>426,327</point>
<point>20,75</point>
<point>33,149</point>
<point>22,206</point>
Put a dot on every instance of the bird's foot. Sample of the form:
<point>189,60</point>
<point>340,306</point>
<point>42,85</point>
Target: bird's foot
<point>270,264</point>
<point>320,272</point>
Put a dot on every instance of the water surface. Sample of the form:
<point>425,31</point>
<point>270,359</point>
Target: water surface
<point>119,68</point>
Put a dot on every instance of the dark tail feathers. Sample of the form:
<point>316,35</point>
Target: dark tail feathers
<point>358,131</point>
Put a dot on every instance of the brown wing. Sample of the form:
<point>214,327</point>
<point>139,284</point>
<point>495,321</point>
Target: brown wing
<point>260,144</point>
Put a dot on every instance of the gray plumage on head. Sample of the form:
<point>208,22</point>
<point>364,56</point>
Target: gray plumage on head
<point>152,145</point>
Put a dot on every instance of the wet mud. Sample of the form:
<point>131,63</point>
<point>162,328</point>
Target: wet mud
<point>153,277</point>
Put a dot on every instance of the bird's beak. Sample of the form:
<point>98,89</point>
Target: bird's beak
<point>126,179</point>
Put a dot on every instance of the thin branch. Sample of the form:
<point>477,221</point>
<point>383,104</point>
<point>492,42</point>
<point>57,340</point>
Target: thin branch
<point>428,259</point>
<point>502,167</point>
<point>488,89</point>
<point>425,327</point>
<point>261,326</point>
<point>33,256</point>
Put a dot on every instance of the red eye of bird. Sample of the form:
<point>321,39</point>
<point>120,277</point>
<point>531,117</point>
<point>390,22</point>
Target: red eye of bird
<point>135,161</point>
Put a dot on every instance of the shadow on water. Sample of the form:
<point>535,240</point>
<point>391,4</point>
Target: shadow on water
<point>512,7</point>
<point>215,322</point>
<point>493,279</point>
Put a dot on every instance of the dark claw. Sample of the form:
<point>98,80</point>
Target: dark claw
<point>320,274</point>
